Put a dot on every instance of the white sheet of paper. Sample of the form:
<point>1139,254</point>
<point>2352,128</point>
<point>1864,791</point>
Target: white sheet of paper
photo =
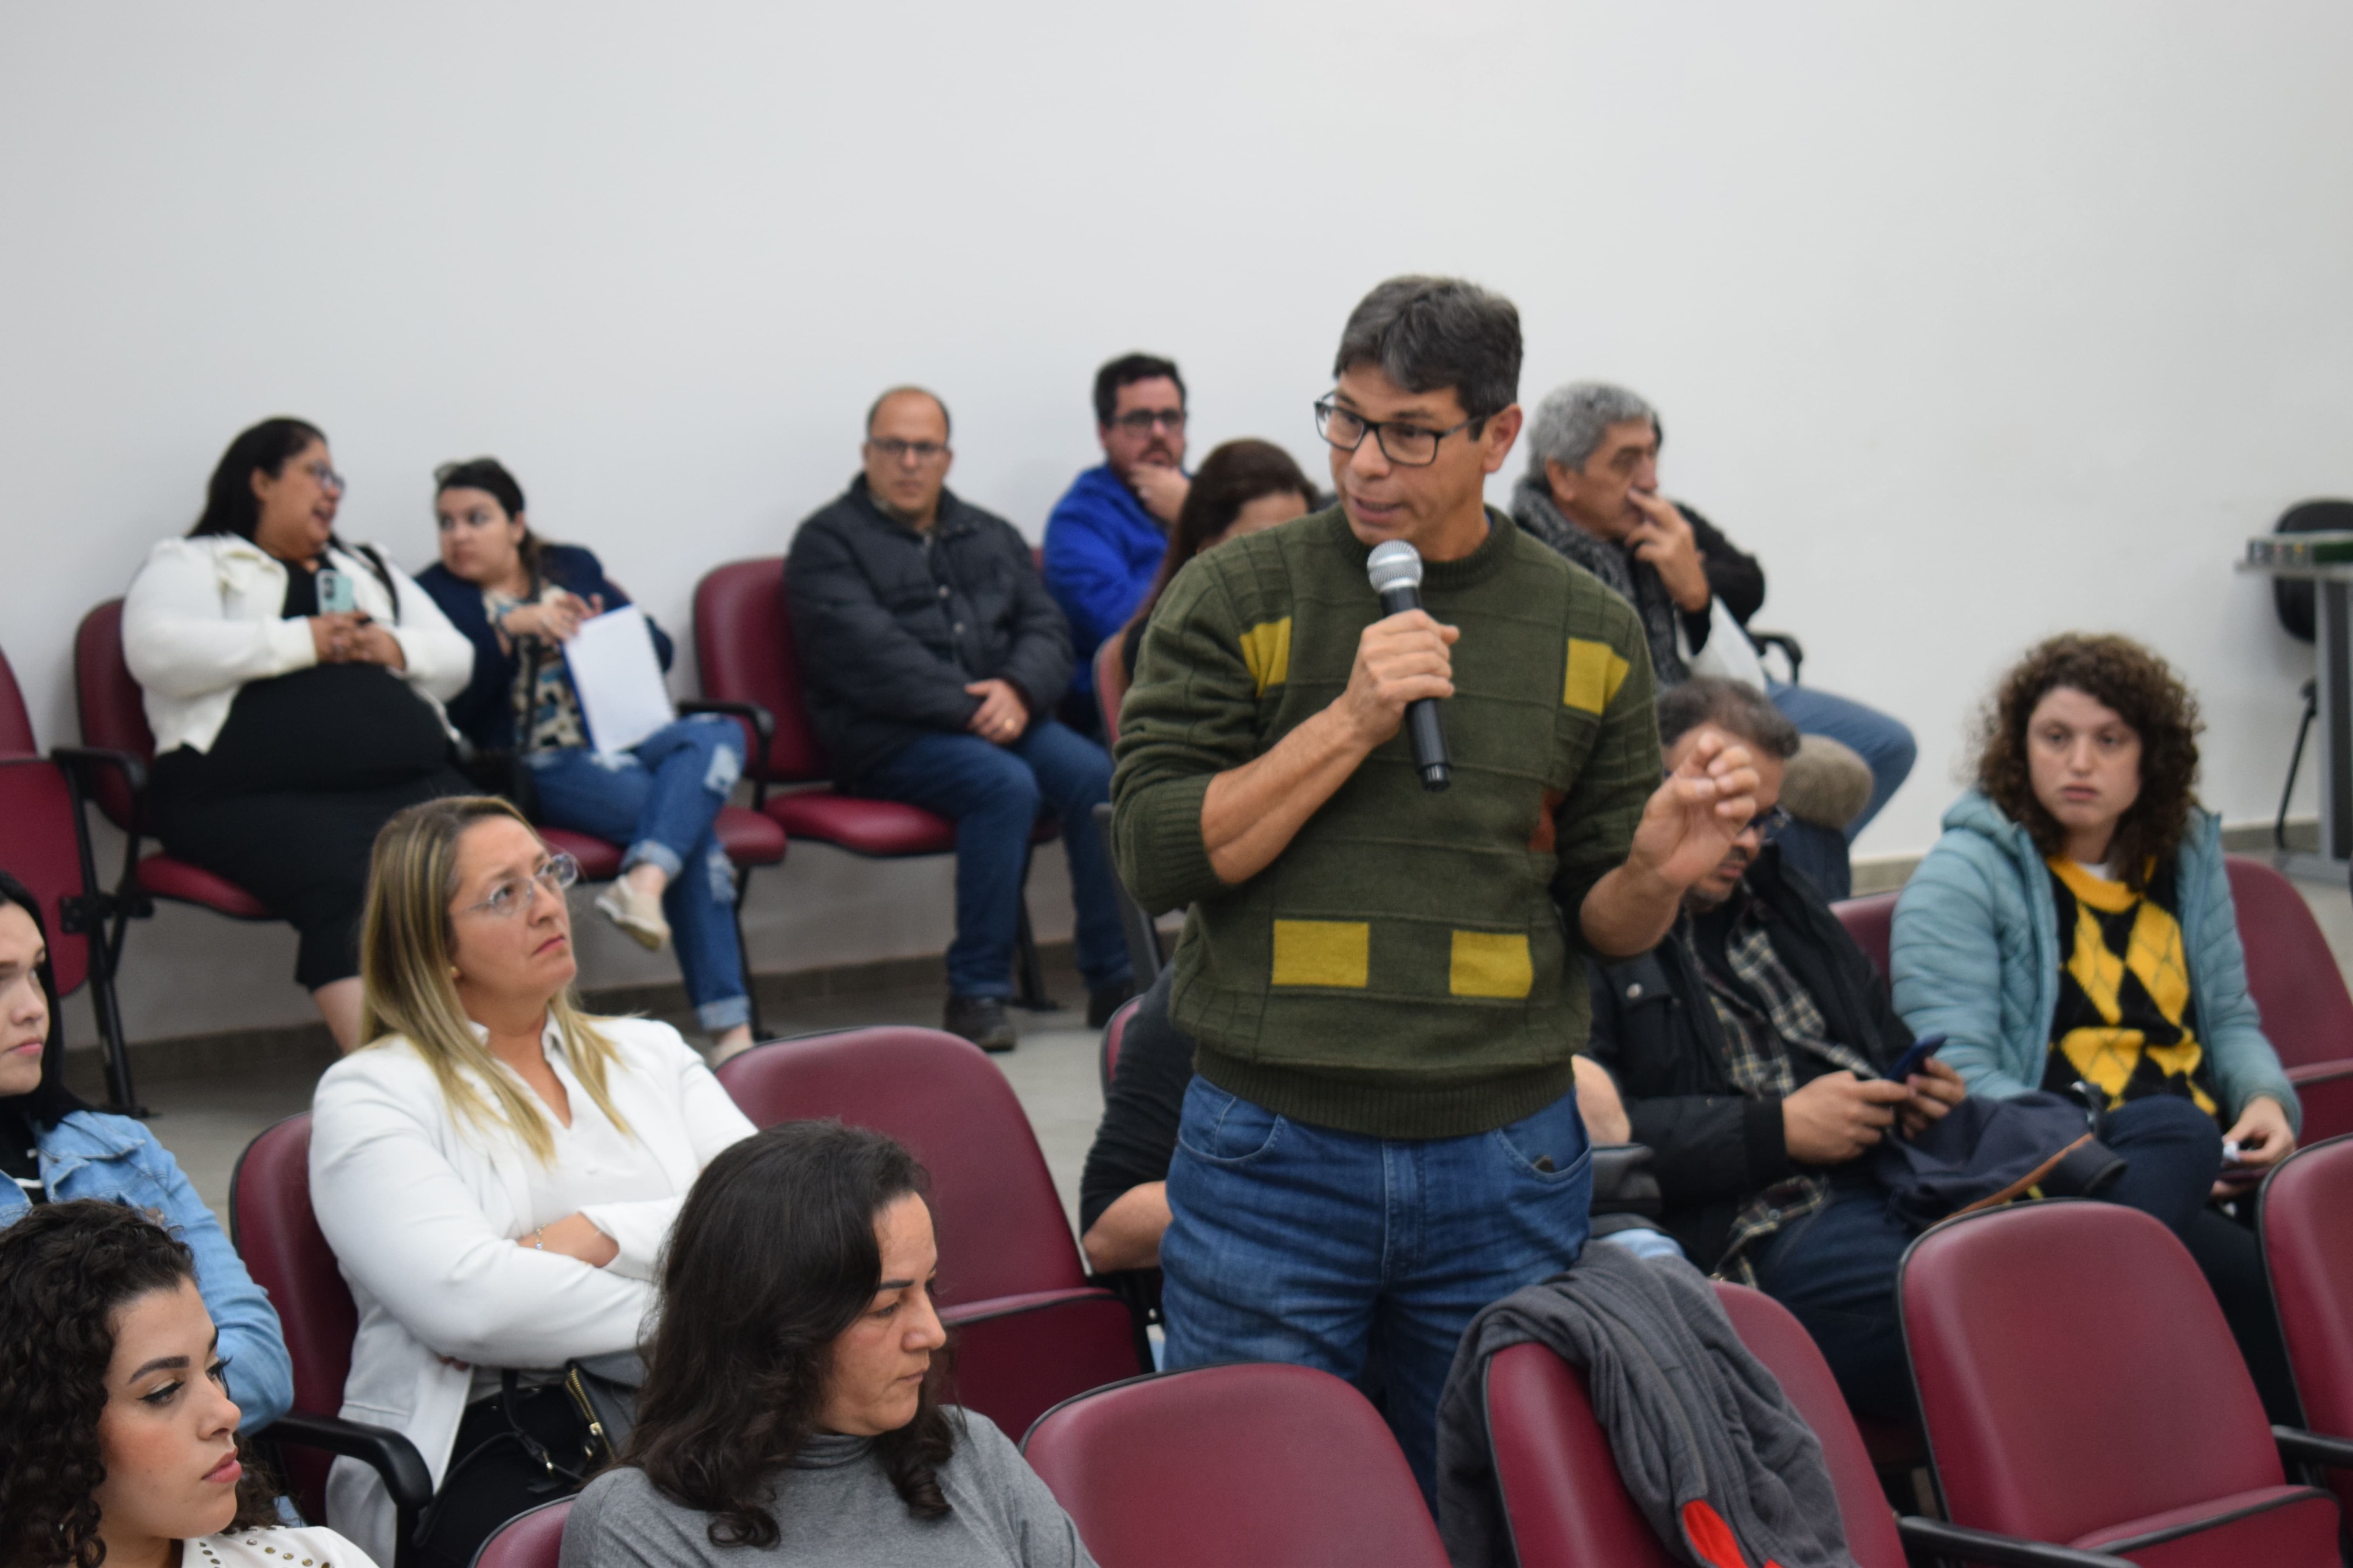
<point>619,679</point>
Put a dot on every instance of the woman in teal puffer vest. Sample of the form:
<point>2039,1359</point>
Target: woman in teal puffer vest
<point>2073,931</point>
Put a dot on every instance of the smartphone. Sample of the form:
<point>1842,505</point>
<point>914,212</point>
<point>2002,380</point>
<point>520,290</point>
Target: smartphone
<point>338,594</point>
<point>1911,1062</point>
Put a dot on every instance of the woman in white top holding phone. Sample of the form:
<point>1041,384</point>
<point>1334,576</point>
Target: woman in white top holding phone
<point>495,1169</point>
<point>294,687</point>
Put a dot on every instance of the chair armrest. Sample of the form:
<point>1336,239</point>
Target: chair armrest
<point>2314,1447</point>
<point>390,1455</point>
<point>764,730</point>
<point>1792,649</point>
<point>2320,1072</point>
<point>1932,1537</point>
<point>80,758</point>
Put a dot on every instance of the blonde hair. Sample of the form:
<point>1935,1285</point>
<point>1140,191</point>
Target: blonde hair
<point>407,991</point>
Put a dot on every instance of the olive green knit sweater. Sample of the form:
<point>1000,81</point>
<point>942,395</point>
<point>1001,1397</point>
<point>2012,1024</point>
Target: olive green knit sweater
<point>1404,968</point>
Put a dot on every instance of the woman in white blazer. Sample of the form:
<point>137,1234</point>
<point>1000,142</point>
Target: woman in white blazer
<point>495,1169</point>
<point>294,688</point>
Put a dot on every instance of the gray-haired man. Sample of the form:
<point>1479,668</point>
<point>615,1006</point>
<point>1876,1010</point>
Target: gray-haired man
<point>1384,984</point>
<point>1591,493</point>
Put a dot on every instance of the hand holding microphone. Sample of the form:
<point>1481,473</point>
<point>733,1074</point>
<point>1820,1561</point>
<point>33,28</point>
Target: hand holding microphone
<point>1403,669</point>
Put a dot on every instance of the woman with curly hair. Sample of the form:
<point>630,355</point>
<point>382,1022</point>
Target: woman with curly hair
<point>2073,931</point>
<point>791,1411</point>
<point>118,1438</point>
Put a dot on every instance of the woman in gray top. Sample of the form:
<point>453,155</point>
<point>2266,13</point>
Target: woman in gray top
<point>790,1410</point>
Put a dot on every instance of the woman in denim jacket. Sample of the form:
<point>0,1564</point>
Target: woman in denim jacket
<point>55,1149</point>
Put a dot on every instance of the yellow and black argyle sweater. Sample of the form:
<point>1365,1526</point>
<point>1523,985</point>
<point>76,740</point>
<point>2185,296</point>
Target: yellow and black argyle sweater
<point>1401,970</point>
<point>2123,1023</point>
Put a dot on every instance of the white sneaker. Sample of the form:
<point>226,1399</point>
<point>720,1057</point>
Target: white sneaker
<point>635,913</point>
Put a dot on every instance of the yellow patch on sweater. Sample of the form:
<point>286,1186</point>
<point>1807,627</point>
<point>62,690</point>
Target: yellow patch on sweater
<point>1266,651</point>
<point>1595,674</point>
<point>1322,953</point>
<point>1492,963</point>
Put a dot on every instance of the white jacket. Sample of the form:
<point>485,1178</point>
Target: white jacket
<point>424,1215</point>
<point>202,617</point>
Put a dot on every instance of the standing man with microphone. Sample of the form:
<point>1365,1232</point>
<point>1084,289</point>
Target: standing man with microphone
<point>1384,979</point>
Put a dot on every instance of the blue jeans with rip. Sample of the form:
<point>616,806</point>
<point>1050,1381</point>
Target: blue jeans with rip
<point>1835,1268</point>
<point>662,798</point>
<point>1295,1243</point>
<point>993,794</point>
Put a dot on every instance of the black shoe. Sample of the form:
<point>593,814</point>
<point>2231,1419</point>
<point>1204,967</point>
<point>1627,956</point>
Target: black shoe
<point>981,1020</point>
<point>1103,1001</point>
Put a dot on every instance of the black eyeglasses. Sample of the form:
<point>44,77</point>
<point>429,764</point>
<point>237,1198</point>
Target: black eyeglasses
<point>1140,421</point>
<point>1408,446</point>
<point>899,451</point>
<point>1770,825</point>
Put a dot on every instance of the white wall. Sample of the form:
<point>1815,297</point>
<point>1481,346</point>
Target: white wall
<point>1974,320</point>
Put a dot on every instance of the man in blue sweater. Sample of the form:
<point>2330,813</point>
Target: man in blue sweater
<point>1107,534</point>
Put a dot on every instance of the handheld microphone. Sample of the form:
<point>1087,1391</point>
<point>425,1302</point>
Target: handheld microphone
<point>1395,569</point>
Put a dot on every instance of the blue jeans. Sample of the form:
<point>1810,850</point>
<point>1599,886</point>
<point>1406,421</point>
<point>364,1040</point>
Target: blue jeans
<point>1295,1243</point>
<point>994,796</point>
<point>1835,1269</point>
<point>661,799</point>
<point>1884,742</point>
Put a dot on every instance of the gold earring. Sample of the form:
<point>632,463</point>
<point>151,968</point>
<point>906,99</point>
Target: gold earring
<point>453,972</point>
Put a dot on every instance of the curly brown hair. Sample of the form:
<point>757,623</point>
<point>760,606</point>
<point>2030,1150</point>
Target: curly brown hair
<point>64,1270</point>
<point>773,1257</point>
<point>2120,674</point>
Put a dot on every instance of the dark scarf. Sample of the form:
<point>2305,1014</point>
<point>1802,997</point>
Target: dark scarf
<point>1636,582</point>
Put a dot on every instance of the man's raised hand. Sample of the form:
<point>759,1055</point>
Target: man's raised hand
<point>1690,821</point>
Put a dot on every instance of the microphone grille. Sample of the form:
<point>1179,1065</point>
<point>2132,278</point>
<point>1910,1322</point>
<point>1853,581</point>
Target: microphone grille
<point>1394,564</point>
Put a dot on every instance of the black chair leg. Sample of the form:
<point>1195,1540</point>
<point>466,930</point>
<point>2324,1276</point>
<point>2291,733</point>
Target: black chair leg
<point>1030,975</point>
<point>2295,760</point>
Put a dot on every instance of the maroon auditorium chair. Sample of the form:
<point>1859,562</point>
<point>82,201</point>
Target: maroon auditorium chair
<point>1249,1463</point>
<point>2300,992</point>
<point>1871,920</point>
<point>277,1235</point>
<point>2306,1209</point>
<point>1563,1499</point>
<point>744,643</point>
<point>45,844</point>
<point>2080,1386</point>
<point>1030,1330</point>
<point>1114,1033</point>
<point>533,1540</point>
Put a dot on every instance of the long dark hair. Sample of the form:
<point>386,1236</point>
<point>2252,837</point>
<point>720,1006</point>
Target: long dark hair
<point>2118,673</point>
<point>491,477</point>
<point>64,1269</point>
<point>230,505</point>
<point>1228,479</point>
<point>773,1257</point>
<point>50,1102</point>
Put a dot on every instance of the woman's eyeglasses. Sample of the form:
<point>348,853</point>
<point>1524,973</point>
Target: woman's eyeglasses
<point>511,898</point>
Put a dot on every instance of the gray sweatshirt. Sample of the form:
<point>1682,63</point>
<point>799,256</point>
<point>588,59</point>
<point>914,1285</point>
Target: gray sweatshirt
<point>834,1506</point>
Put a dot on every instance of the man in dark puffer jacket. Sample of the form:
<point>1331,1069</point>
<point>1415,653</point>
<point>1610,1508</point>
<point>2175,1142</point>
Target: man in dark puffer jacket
<point>932,658</point>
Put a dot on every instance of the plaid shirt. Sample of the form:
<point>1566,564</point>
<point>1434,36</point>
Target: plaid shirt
<point>1766,1012</point>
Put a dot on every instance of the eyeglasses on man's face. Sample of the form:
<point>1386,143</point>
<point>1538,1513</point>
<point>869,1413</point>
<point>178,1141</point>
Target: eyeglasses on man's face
<point>1140,421</point>
<point>1769,824</point>
<point>511,897</point>
<point>918,452</point>
<point>1407,445</point>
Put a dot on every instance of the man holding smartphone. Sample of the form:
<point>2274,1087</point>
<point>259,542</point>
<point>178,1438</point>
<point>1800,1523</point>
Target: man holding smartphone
<point>1755,1050</point>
